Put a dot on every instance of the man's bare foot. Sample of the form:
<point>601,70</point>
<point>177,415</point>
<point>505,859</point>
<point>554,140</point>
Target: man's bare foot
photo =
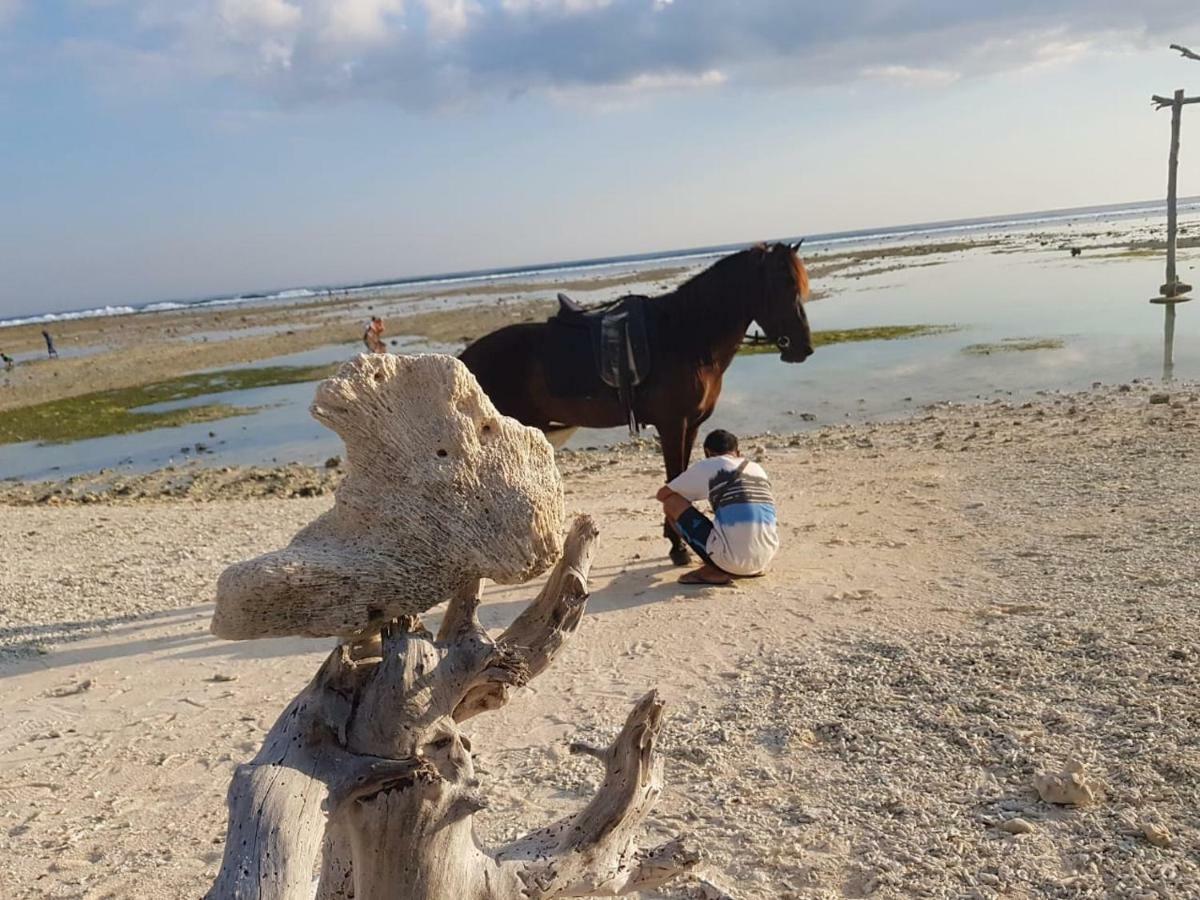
<point>706,574</point>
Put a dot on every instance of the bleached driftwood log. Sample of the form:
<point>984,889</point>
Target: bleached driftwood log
<point>367,776</point>
<point>372,748</point>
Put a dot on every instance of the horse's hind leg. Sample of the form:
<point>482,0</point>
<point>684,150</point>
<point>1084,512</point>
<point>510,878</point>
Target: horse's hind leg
<point>675,455</point>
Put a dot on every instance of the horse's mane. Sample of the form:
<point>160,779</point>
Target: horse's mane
<point>801,276</point>
<point>692,318</point>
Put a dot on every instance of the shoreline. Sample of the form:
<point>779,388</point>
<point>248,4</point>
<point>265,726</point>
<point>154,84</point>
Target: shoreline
<point>114,352</point>
<point>198,480</point>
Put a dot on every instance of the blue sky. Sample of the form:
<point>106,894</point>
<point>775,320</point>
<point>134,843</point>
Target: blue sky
<point>173,148</point>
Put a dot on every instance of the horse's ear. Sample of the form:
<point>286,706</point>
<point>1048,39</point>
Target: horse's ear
<point>796,246</point>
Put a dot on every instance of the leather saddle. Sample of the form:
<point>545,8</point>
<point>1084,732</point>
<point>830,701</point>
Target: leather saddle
<point>620,342</point>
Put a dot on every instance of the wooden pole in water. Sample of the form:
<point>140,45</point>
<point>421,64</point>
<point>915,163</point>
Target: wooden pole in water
<point>1172,183</point>
<point>1173,291</point>
<point>1172,224</point>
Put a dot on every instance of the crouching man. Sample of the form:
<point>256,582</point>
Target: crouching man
<point>741,539</point>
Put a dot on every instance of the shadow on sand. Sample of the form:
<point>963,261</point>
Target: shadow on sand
<point>614,587</point>
<point>106,639</point>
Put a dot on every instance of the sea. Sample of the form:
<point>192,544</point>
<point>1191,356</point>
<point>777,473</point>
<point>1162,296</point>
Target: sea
<point>1019,316</point>
<point>863,236</point>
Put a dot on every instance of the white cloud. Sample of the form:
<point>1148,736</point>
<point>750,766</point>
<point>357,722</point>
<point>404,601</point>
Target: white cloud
<point>554,6</point>
<point>638,89</point>
<point>675,81</point>
<point>448,18</point>
<point>269,15</point>
<point>424,53</point>
<point>1060,53</point>
<point>360,20</point>
<point>912,76</point>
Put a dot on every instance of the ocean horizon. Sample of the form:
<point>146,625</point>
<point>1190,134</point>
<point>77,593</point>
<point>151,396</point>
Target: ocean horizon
<point>818,240</point>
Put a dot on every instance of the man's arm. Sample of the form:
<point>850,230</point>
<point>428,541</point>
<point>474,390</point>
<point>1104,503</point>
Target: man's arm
<point>692,484</point>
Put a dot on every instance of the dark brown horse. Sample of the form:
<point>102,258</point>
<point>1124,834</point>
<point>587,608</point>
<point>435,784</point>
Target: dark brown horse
<point>695,332</point>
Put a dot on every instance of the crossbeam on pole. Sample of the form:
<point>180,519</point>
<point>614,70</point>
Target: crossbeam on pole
<point>1164,102</point>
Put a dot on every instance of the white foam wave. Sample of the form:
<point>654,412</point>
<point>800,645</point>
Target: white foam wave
<point>64,316</point>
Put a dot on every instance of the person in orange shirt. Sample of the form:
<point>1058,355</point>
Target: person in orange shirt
<point>373,336</point>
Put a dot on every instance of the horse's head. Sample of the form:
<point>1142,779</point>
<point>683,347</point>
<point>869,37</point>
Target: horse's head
<point>780,312</point>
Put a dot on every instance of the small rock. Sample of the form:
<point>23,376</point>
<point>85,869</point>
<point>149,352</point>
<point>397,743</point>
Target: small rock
<point>333,462</point>
<point>708,890</point>
<point>1071,787</point>
<point>1156,834</point>
<point>1160,398</point>
<point>86,685</point>
<point>1016,826</point>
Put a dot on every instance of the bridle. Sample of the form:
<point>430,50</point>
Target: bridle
<point>783,342</point>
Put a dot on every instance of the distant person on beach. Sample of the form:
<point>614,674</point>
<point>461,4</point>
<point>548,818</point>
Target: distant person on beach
<point>373,335</point>
<point>741,539</point>
<point>7,360</point>
<point>49,344</point>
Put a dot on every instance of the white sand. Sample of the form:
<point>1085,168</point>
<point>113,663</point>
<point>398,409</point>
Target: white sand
<point>957,606</point>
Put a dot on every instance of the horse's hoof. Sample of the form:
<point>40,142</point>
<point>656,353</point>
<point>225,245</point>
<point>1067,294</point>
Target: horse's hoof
<point>680,556</point>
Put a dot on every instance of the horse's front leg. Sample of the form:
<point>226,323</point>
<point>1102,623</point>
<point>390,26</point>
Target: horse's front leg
<point>677,440</point>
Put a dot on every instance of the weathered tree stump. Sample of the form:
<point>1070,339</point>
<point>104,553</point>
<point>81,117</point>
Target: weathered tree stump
<point>371,754</point>
<point>367,777</point>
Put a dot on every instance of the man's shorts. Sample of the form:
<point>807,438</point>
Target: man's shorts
<point>695,528</point>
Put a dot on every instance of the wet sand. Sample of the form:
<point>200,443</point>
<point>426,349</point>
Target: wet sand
<point>141,348</point>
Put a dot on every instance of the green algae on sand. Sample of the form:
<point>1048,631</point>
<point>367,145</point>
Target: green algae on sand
<point>1013,345</point>
<point>119,411</point>
<point>853,335</point>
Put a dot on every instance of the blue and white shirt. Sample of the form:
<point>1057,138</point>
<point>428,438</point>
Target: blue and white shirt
<point>744,538</point>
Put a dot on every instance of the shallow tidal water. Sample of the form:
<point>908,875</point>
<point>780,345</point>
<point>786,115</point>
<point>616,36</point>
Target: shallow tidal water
<point>1095,307</point>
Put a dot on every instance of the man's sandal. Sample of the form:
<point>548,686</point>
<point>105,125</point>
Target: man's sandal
<point>697,576</point>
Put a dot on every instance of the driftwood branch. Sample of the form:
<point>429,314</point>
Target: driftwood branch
<point>593,853</point>
<point>279,800</point>
<point>462,617</point>
<point>537,635</point>
<point>1185,52</point>
<point>368,772</point>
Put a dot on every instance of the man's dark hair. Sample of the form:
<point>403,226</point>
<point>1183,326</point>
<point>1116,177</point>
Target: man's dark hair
<point>719,442</point>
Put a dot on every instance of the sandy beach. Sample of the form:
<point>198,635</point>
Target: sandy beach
<point>964,599</point>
